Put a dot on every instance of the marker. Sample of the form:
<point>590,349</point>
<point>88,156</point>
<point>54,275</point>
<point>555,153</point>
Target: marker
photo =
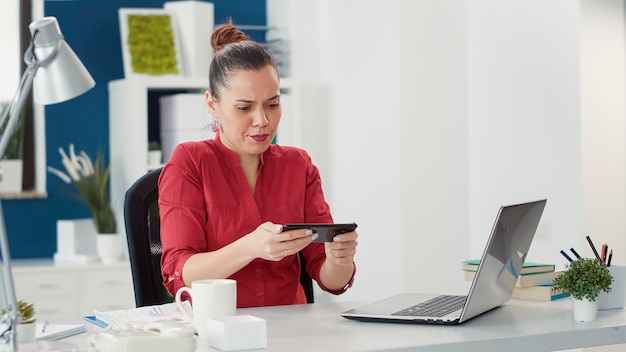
<point>566,256</point>
<point>603,257</point>
<point>593,248</point>
<point>608,263</point>
<point>575,253</point>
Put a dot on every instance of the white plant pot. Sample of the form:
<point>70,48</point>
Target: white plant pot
<point>109,247</point>
<point>76,241</point>
<point>26,332</point>
<point>11,180</point>
<point>584,310</point>
<point>155,158</point>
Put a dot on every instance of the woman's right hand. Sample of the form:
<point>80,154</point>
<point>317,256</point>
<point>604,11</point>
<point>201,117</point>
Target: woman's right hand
<point>271,243</point>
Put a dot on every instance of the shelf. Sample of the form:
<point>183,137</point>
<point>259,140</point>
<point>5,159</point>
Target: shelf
<point>167,82</point>
<point>24,195</point>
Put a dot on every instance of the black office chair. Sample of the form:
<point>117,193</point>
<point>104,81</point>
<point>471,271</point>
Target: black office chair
<point>141,214</point>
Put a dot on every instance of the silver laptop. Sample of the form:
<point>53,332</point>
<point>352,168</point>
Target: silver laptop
<point>499,268</point>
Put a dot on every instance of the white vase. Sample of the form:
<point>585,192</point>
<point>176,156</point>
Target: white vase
<point>26,332</point>
<point>584,310</point>
<point>76,241</point>
<point>11,179</point>
<point>109,247</point>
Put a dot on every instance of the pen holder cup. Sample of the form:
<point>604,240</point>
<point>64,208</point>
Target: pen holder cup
<point>617,297</point>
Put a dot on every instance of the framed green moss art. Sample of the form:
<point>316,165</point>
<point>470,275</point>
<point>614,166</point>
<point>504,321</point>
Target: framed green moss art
<point>150,42</point>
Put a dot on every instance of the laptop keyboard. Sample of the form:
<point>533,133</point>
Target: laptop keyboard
<point>435,307</point>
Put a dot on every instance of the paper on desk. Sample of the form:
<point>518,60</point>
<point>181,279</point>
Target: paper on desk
<point>138,317</point>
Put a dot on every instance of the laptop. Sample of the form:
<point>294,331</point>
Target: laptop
<point>493,284</point>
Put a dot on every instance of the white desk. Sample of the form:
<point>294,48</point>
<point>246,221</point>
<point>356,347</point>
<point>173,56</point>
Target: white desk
<point>517,326</point>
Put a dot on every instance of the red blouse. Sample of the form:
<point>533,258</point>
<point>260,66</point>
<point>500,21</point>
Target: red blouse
<point>205,204</point>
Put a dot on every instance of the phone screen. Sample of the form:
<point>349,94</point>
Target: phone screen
<point>326,232</point>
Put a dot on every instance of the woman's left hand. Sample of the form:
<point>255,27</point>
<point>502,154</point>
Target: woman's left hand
<point>343,248</point>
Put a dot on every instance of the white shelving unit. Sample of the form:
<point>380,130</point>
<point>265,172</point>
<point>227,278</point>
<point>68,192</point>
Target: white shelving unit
<point>128,129</point>
<point>65,292</point>
<point>129,125</point>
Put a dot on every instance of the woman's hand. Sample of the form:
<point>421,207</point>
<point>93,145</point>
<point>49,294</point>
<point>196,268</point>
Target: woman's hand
<point>271,243</point>
<point>343,248</point>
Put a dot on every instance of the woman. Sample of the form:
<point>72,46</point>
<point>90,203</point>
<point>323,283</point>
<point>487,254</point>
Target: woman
<point>223,201</point>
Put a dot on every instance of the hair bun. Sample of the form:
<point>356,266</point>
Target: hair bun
<point>226,34</point>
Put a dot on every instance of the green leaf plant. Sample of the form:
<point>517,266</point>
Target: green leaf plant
<point>90,180</point>
<point>27,311</point>
<point>584,278</point>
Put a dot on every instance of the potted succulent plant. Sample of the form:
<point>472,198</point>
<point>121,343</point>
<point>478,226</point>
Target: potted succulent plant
<point>583,280</point>
<point>26,329</point>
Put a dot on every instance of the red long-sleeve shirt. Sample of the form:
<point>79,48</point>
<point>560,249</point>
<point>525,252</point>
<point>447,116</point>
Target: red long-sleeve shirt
<point>205,203</point>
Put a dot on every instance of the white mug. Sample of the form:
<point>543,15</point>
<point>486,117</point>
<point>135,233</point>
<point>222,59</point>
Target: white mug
<point>209,298</point>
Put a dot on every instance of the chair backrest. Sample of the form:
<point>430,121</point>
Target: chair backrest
<point>141,214</point>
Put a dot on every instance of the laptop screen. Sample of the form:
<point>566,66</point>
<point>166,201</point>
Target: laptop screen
<point>503,257</point>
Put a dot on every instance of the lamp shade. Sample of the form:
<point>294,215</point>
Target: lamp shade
<point>60,75</point>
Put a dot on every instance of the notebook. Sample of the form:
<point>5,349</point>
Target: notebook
<point>58,331</point>
<point>493,284</point>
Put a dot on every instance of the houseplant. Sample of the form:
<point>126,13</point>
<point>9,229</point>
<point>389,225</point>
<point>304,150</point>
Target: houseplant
<point>154,154</point>
<point>583,279</point>
<point>12,164</point>
<point>26,329</point>
<point>90,181</point>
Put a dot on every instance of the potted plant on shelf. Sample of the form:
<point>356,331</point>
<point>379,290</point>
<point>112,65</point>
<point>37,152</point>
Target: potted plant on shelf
<point>11,165</point>
<point>27,327</point>
<point>155,154</point>
<point>90,180</point>
<point>583,280</point>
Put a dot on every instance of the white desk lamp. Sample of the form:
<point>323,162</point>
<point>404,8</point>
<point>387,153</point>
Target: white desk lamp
<point>57,75</point>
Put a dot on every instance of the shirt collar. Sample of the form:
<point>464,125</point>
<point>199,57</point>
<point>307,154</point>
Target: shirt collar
<point>231,156</point>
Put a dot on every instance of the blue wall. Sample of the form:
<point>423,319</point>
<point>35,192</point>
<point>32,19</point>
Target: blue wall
<point>92,30</point>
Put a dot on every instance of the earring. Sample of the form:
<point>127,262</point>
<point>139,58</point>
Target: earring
<point>215,126</point>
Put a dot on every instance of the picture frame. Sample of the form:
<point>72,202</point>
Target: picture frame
<point>150,42</point>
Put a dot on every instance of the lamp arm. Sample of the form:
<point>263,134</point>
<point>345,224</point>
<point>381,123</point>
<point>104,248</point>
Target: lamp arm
<point>12,317</point>
<point>15,108</point>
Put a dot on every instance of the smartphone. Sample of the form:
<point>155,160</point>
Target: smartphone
<point>326,232</point>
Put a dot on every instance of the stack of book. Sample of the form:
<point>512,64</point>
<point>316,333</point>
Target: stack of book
<point>534,282</point>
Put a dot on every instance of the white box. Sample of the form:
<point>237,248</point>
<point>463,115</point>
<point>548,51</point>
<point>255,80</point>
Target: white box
<point>195,21</point>
<point>76,241</point>
<point>184,111</point>
<point>237,332</point>
<point>11,180</point>
<point>616,299</point>
<point>170,139</point>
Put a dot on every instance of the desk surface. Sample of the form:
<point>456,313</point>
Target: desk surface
<point>516,326</point>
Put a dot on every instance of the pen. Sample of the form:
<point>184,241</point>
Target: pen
<point>575,253</point>
<point>593,248</point>
<point>603,253</point>
<point>45,325</point>
<point>566,256</point>
<point>608,263</point>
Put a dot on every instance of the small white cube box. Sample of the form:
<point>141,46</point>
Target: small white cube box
<point>237,332</point>
<point>183,117</point>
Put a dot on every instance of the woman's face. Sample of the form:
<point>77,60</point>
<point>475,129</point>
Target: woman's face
<point>248,111</point>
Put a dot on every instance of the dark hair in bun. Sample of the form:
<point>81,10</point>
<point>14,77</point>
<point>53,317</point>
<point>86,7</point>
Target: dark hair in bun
<point>234,51</point>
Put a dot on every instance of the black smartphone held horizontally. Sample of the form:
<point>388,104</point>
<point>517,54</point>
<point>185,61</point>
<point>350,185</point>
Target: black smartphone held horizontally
<point>326,232</point>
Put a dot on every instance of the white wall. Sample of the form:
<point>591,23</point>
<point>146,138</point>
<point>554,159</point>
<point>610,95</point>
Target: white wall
<point>524,117</point>
<point>10,55</point>
<point>603,62</point>
<point>425,116</point>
